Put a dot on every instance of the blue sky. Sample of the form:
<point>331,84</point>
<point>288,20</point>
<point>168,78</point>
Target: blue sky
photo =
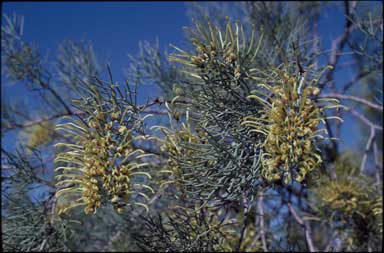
<point>115,29</point>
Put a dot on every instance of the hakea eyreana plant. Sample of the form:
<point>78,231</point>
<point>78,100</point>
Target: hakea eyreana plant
<point>101,164</point>
<point>290,123</point>
<point>219,68</point>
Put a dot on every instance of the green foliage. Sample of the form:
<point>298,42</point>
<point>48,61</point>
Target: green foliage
<point>76,63</point>
<point>48,233</point>
<point>29,224</point>
<point>219,69</point>
<point>185,150</point>
<point>188,229</point>
<point>22,60</point>
<point>151,65</point>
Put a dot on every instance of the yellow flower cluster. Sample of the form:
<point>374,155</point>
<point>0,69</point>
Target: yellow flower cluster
<point>293,123</point>
<point>289,123</point>
<point>346,196</point>
<point>100,165</point>
<point>38,134</point>
<point>350,199</point>
<point>173,145</point>
<point>209,54</point>
<point>215,49</point>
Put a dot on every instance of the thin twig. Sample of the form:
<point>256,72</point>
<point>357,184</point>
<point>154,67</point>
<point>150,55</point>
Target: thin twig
<point>39,121</point>
<point>353,98</point>
<point>367,147</point>
<point>79,113</point>
<point>158,112</point>
<point>53,208</point>
<point>160,102</point>
<point>355,80</point>
<point>306,226</point>
<point>378,165</point>
<point>43,244</point>
<point>11,166</point>
<point>245,223</point>
<point>373,127</point>
<point>364,119</point>
<point>338,44</point>
<point>329,244</point>
<point>262,229</point>
<point>335,145</point>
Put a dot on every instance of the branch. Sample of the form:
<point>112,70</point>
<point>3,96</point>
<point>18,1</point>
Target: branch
<point>245,223</point>
<point>38,179</point>
<point>45,85</point>
<point>356,79</point>
<point>364,119</point>
<point>335,145</point>
<point>373,127</point>
<point>158,112</point>
<point>367,147</point>
<point>79,113</point>
<point>378,165</point>
<point>57,96</point>
<point>353,98</point>
<point>306,226</point>
<point>158,101</point>
<point>262,229</point>
<point>39,121</point>
<point>338,44</point>
<point>329,244</point>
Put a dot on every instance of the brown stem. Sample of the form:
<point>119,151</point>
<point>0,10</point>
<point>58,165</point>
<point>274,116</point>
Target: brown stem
<point>245,223</point>
<point>364,119</point>
<point>306,226</point>
<point>367,147</point>
<point>349,84</point>
<point>39,121</point>
<point>79,113</point>
<point>262,229</point>
<point>338,44</point>
<point>378,165</point>
<point>353,98</point>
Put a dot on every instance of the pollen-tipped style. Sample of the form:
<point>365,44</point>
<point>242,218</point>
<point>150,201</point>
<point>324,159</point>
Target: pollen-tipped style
<point>290,124</point>
<point>100,165</point>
